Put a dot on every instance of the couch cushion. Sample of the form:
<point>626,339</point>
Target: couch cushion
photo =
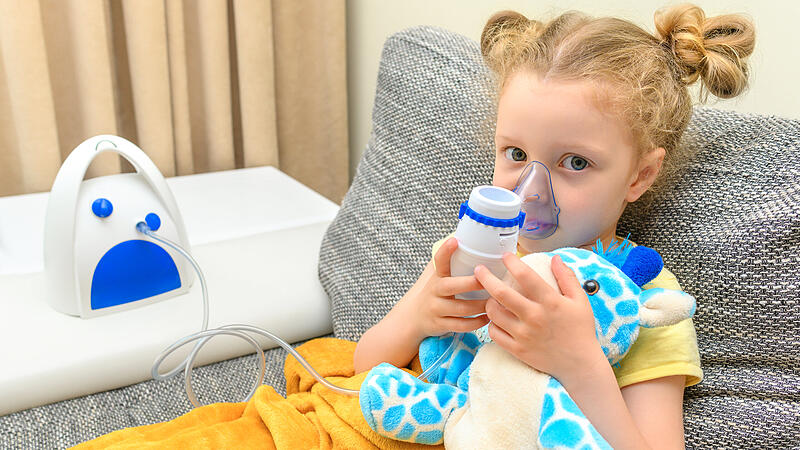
<point>729,229</point>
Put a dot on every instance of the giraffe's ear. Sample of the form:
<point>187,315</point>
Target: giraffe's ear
<point>661,307</point>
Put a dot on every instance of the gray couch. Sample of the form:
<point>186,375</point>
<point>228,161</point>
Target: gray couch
<point>730,230</point>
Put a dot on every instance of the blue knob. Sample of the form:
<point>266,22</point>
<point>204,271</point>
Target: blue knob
<point>153,221</point>
<point>102,207</point>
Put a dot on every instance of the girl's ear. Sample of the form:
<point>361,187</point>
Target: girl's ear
<point>649,166</point>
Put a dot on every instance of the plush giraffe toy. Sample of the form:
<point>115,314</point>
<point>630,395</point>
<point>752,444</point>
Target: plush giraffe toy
<point>483,397</point>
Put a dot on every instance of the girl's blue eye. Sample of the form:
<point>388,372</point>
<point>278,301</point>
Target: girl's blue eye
<point>575,163</point>
<point>516,154</point>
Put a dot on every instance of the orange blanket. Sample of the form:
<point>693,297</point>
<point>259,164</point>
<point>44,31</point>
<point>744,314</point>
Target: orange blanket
<point>310,416</point>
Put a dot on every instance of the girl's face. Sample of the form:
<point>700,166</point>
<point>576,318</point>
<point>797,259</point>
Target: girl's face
<point>594,168</point>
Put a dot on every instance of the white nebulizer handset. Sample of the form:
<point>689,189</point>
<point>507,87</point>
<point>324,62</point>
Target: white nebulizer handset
<point>488,226</point>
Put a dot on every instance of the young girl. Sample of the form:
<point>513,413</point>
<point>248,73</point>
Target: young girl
<point>602,104</point>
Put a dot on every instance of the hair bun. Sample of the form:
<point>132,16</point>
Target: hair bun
<point>502,34</point>
<point>714,48</point>
<point>498,25</point>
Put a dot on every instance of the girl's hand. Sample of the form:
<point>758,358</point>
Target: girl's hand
<point>552,330</point>
<point>435,308</point>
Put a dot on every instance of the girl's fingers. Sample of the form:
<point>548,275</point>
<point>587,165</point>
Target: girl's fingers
<point>442,257</point>
<point>463,324</point>
<point>450,286</point>
<point>532,285</point>
<point>567,281</point>
<point>501,316</point>
<point>501,337</point>
<point>503,293</point>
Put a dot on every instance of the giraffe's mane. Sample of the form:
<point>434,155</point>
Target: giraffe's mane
<point>616,253</point>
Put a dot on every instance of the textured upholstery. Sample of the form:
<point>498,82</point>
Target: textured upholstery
<point>729,229</point>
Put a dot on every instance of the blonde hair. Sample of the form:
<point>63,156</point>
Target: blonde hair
<point>647,75</point>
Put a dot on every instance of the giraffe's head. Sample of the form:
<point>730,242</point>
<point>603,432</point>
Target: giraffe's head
<point>619,303</point>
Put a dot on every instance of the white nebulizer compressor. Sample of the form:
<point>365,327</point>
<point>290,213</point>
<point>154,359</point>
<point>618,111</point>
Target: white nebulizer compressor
<point>96,262</point>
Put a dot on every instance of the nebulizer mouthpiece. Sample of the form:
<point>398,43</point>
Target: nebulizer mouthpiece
<point>535,189</point>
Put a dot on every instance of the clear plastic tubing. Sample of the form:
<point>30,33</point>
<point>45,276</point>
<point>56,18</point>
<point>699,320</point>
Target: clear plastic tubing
<point>242,330</point>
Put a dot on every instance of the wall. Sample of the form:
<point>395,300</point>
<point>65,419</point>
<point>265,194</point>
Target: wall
<point>775,64</point>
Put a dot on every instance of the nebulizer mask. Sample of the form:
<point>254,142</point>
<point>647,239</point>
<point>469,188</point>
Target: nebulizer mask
<point>535,190</point>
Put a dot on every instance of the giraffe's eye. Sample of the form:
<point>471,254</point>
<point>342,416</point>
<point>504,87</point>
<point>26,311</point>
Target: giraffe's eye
<point>591,287</point>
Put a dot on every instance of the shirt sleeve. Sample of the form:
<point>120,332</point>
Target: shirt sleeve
<point>662,351</point>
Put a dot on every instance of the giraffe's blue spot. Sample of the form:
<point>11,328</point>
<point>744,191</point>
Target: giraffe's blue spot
<point>610,285</point>
<point>442,374</point>
<point>463,379</point>
<point>393,416</point>
<point>623,338</point>
<point>561,433</point>
<point>567,259</point>
<point>429,351</point>
<point>405,432</point>
<point>429,437</point>
<point>627,308</point>
<point>403,389</point>
<point>590,271</point>
<point>548,408</point>
<point>553,383</point>
<point>569,405</point>
<point>384,381</point>
<point>375,399</point>
<point>461,400</point>
<point>369,401</point>
<point>443,394</point>
<point>425,413</point>
<point>602,314</point>
<point>471,341</point>
<point>462,359</point>
<point>421,387</point>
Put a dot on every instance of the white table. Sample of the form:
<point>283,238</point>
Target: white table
<point>256,235</point>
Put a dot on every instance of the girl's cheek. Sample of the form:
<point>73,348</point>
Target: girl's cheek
<point>575,202</point>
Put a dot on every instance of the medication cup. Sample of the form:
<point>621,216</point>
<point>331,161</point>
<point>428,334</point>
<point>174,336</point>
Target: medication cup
<point>488,226</point>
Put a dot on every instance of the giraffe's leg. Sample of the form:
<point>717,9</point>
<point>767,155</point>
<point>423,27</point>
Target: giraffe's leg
<point>563,425</point>
<point>455,363</point>
<point>400,406</point>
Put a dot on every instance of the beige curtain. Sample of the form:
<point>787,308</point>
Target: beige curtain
<point>199,85</point>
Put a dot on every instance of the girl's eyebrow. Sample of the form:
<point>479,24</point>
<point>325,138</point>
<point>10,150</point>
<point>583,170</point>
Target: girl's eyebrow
<point>569,145</point>
<point>578,146</point>
<point>503,137</point>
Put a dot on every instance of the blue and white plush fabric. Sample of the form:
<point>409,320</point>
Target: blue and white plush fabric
<point>483,397</point>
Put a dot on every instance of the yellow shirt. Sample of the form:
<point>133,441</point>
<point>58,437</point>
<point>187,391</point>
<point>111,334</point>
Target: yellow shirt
<point>657,352</point>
